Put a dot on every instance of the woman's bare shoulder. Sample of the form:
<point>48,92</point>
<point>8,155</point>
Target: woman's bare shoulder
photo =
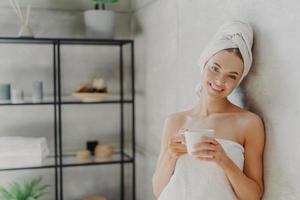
<point>246,116</point>
<point>250,119</point>
<point>173,123</point>
<point>253,125</point>
<point>177,119</point>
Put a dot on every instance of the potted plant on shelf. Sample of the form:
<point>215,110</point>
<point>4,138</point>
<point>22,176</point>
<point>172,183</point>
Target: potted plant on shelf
<point>100,22</point>
<point>30,190</point>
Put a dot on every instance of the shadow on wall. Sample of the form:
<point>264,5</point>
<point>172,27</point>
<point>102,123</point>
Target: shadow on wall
<point>135,26</point>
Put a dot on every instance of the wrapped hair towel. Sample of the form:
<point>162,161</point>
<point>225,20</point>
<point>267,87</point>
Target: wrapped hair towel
<point>232,34</point>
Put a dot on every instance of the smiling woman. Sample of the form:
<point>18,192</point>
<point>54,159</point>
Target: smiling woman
<point>223,79</point>
<point>229,166</point>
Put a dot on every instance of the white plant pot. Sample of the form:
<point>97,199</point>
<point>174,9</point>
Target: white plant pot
<point>99,23</point>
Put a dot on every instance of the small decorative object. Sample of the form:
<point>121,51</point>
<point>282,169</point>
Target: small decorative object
<point>83,155</point>
<point>100,22</point>
<point>104,151</point>
<point>92,92</point>
<point>32,190</point>
<point>91,145</point>
<point>17,96</point>
<point>37,91</point>
<point>95,198</point>
<point>4,93</point>
<point>25,30</point>
<point>99,85</point>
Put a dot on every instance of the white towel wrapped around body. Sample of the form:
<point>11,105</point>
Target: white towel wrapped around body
<point>195,179</point>
<point>22,151</point>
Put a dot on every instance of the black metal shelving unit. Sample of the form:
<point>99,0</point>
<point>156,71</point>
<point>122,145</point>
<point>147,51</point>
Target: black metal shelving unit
<point>56,162</point>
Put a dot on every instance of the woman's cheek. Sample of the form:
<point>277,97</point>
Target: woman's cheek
<point>230,87</point>
<point>209,76</point>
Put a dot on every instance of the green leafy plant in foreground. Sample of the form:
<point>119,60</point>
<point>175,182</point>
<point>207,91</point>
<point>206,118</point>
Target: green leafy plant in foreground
<point>29,190</point>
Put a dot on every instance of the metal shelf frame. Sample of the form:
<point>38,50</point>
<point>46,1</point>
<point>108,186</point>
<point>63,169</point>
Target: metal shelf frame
<point>57,104</point>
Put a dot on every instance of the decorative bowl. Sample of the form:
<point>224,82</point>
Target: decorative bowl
<point>91,97</point>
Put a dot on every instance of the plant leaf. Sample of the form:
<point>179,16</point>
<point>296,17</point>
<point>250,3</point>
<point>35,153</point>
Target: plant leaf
<point>35,182</point>
<point>41,191</point>
<point>29,190</point>
<point>5,194</point>
<point>16,190</point>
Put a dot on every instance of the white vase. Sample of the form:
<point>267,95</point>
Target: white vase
<point>99,23</point>
<point>25,31</point>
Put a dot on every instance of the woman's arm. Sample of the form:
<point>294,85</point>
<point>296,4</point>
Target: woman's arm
<point>166,162</point>
<point>249,185</point>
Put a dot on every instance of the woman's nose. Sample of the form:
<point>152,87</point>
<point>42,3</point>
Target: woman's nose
<point>220,80</point>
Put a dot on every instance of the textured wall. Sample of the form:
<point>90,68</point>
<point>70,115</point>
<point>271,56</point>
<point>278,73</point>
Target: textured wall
<point>170,35</point>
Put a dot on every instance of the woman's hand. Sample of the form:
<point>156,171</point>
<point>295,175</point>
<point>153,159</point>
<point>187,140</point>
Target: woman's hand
<point>177,147</point>
<point>210,149</point>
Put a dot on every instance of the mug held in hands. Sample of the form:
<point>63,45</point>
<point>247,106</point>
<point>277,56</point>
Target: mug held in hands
<point>194,137</point>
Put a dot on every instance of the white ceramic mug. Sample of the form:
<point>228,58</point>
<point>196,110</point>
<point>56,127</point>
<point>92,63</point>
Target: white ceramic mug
<point>193,137</point>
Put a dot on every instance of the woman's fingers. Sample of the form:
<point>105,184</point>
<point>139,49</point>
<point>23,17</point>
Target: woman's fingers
<point>204,146</point>
<point>180,131</point>
<point>204,154</point>
<point>205,139</point>
<point>208,158</point>
<point>178,139</point>
<point>204,150</point>
<point>177,149</point>
<point>177,146</point>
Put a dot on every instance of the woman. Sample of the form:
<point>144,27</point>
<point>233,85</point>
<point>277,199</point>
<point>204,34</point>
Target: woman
<point>229,166</point>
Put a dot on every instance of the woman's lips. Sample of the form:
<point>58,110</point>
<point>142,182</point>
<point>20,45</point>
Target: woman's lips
<point>216,88</point>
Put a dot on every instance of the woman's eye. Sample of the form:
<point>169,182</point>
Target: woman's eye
<point>232,77</point>
<point>214,68</point>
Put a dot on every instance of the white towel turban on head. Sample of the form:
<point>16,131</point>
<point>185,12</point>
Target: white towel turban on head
<point>232,34</point>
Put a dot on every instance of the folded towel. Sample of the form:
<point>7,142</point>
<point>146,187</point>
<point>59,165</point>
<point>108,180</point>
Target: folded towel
<point>20,161</point>
<point>22,151</point>
<point>12,146</point>
<point>232,34</point>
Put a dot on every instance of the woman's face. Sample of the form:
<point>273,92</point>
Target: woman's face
<point>221,74</point>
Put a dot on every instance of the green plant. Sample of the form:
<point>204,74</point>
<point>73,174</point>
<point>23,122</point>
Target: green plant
<point>30,190</point>
<point>103,2</point>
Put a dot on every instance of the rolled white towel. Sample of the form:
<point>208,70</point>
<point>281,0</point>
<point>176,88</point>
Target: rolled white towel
<point>22,151</point>
<point>23,146</point>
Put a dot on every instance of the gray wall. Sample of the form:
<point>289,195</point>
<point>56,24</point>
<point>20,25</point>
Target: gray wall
<point>170,36</point>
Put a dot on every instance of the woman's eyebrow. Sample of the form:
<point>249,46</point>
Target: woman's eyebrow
<point>221,68</point>
<point>217,64</point>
